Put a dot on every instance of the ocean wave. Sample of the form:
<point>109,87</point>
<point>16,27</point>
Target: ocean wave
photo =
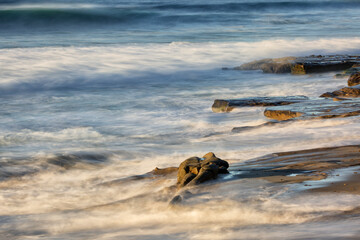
<point>60,15</point>
<point>65,14</point>
<point>128,65</point>
<point>84,134</point>
<point>259,6</point>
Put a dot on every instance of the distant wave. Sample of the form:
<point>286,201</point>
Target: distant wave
<point>30,15</point>
<point>40,16</point>
<point>260,6</point>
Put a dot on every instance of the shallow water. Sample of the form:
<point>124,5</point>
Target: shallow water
<point>90,97</point>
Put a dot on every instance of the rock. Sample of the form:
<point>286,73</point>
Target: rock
<point>302,65</point>
<point>346,73</point>
<point>318,67</point>
<point>298,166</point>
<point>164,171</point>
<point>221,105</point>
<point>195,170</point>
<point>354,79</point>
<point>247,128</point>
<point>281,115</point>
<point>352,92</point>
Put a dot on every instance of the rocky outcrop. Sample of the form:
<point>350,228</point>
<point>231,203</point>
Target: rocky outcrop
<point>349,92</point>
<point>196,170</point>
<point>302,65</point>
<point>354,79</point>
<point>221,105</point>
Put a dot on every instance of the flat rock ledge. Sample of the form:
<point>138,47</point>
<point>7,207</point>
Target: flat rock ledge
<point>302,65</point>
<point>300,166</point>
<point>196,170</point>
<point>221,105</point>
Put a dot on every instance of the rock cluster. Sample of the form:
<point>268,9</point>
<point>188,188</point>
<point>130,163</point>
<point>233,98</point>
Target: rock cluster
<point>196,170</point>
<point>353,90</point>
<point>341,103</point>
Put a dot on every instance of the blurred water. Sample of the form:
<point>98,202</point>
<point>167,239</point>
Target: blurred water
<point>97,91</point>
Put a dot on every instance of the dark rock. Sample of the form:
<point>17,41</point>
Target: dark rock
<point>187,178</point>
<point>195,170</point>
<point>176,200</point>
<point>277,67</point>
<point>221,105</point>
<point>318,67</point>
<point>346,73</point>
<point>302,65</point>
<point>354,79</point>
<point>352,92</point>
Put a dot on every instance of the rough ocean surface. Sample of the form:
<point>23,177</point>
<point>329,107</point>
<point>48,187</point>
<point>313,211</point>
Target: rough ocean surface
<point>94,94</point>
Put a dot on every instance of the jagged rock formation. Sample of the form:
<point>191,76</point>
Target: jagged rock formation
<point>196,170</point>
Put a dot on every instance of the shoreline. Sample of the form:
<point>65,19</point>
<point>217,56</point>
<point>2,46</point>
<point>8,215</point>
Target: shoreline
<point>303,166</point>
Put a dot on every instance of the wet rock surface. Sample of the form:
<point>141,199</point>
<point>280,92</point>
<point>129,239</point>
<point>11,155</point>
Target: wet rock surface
<point>298,166</point>
<point>196,170</point>
<point>302,65</point>
<point>315,109</point>
<point>354,79</point>
<point>346,73</point>
<point>347,92</point>
<point>228,105</point>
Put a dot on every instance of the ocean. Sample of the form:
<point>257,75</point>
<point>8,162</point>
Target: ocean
<point>95,92</point>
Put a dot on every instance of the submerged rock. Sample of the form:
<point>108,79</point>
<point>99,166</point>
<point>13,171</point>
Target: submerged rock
<point>302,65</point>
<point>354,69</point>
<point>221,105</point>
<point>268,65</point>
<point>196,170</point>
<point>164,171</point>
<point>315,109</point>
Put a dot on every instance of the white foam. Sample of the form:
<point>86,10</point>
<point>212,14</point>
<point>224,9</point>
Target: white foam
<point>47,6</point>
<point>67,134</point>
<point>55,66</point>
